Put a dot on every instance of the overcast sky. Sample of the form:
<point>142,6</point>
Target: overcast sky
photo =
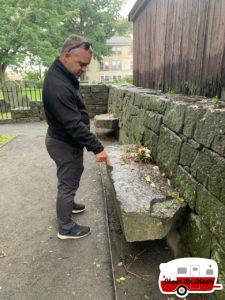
<point>127,7</point>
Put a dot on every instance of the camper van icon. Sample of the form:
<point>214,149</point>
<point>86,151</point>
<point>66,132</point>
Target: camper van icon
<point>188,275</point>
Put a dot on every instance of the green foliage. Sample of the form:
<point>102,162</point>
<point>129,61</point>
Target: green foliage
<point>33,78</point>
<point>37,29</point>
<point>215,101</point>
<point>4,139</point>
<point>126,79</point>
<point>124,27</point>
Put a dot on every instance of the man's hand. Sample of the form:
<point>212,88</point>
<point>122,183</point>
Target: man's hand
<point>104,156</point>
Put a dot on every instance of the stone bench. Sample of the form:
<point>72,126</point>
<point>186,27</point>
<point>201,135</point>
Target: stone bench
<point>146,203</point>
<point>106,123</point>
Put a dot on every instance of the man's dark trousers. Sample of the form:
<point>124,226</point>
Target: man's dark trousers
<point>69,162</point>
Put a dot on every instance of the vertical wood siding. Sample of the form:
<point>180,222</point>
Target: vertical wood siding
<point>180,45</point>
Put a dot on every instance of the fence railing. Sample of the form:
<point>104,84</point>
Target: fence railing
<point>17,98</point>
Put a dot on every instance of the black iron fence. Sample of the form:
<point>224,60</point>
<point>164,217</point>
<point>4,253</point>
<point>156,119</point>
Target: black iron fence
<point>17,98</point>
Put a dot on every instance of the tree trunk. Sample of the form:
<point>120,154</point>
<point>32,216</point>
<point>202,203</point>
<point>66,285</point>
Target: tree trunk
<point>2,74</point>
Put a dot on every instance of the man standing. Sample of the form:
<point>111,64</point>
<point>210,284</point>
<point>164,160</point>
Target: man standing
<point>69,130</point>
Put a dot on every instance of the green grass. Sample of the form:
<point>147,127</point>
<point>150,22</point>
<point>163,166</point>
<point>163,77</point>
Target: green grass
<point>5,116</point>
<point>4,139</point>
<point>33,94</point>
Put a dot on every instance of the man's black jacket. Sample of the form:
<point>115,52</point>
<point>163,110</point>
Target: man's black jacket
<point>65,111</point>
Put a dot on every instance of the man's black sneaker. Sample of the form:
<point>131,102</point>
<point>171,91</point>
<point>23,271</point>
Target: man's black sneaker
<point>77,232</point>
<point>78,208</point>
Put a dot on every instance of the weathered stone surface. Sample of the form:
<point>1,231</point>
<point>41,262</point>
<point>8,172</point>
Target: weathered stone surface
<point>153,121</point>
<point>19,114</point>
<point>186,185</point>
<point>168,150</point>
<point>199,246</point>
<point>99,88</point>
<point>138,100</point>
<point>218,144</point>
<point>137,127</point>
<point>187,154</point>
<point>150,140</point>
<point>196,145</point>
<point>108,121</point>
<point>145,209</point>
<point>193,114</point>
<point>155,103</point>
<point>174,116</point>
<point>209,169</point>
<point>95,100</point>
<point>218,254</point>
<point>212,213</point>
<point>209,126</point>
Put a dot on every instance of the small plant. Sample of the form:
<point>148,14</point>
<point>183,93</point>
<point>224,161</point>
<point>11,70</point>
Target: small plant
<point>215,101</point>
<point>138,154</point>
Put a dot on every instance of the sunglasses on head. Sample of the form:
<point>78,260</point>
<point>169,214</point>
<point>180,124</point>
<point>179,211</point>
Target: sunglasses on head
<point>84,45</point>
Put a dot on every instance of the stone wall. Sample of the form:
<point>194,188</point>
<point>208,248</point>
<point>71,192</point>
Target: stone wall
<point>187,138</point>
<point>95,98</point>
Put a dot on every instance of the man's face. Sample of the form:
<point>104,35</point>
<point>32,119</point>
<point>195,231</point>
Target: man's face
<point>77,61</point>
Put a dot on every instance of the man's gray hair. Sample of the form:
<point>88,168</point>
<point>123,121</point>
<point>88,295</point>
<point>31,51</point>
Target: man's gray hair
<point>71,41</point>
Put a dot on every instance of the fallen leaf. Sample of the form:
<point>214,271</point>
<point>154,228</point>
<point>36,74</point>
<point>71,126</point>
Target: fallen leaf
<point>50,251</point>
<point>146,297</point>
<point>120,264</point>
<point>156,168</point>
<point>152,184</point>
<point>163,174</point>
<point>168,181</point>
<point>98,265</point>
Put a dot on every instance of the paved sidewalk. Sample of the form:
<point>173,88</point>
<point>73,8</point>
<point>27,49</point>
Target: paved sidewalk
<point>38,265</point>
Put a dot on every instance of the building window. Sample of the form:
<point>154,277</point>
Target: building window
<point>116,50</point>
<point>105,78</point>
<point>104,65</point>
<point>117,77</point>
<point>116,65</point>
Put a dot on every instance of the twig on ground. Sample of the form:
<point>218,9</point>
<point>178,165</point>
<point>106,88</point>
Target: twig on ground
<point>141,276</point>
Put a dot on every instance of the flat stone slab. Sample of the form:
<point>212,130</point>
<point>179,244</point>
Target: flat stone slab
<point>107,121</point>
<point>147,205</point>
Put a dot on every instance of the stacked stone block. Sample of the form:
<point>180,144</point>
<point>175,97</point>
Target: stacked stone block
<point>186,136</point>
<point>95,98</point>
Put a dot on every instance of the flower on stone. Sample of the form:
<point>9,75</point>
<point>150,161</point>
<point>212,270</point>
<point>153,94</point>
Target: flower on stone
<point>138,153</point>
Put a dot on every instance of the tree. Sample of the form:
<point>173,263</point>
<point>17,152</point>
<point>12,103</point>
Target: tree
<point>37,28</point>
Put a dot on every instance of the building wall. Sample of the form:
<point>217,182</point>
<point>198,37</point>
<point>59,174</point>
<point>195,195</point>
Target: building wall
<point>95,74</point>
<point>179,45</point>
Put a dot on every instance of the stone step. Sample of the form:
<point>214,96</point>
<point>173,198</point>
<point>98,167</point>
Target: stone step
<point>147,205</point>
<point>107,121</point>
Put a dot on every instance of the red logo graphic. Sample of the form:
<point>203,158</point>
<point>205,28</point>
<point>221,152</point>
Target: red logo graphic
<point>189,275</point>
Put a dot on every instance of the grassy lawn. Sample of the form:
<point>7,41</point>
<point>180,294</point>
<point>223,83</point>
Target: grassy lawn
<point>33,94</point>
<point>5,116</point>
<point>4,139</point>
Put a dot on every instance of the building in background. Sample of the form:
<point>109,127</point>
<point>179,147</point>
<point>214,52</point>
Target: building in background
<point>116,66</point>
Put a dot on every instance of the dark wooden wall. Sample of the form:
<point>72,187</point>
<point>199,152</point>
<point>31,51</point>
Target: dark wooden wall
<point>179,45</point>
